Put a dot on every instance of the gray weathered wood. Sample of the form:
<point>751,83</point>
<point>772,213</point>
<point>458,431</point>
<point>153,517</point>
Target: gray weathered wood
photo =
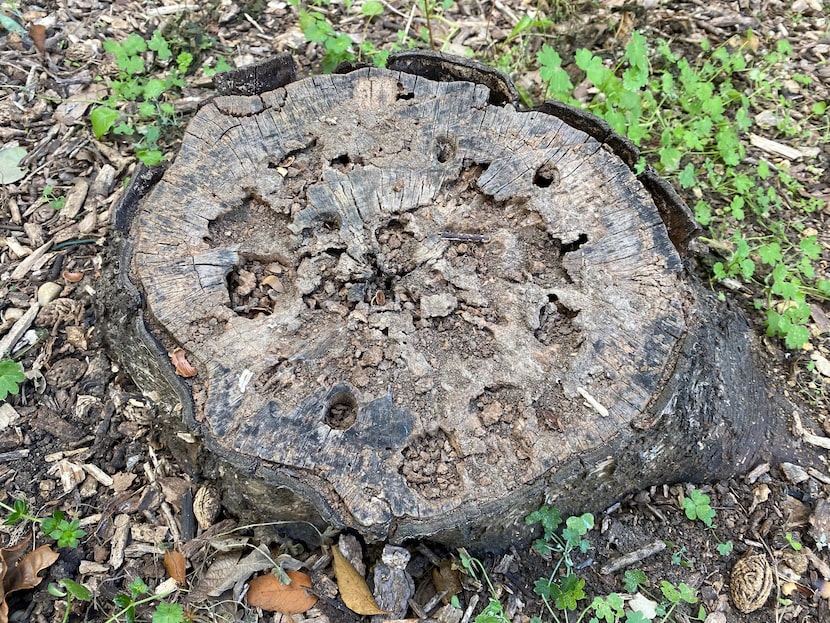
<point>424,312</point>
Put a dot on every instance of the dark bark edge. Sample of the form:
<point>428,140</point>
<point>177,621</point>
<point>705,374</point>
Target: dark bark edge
<point>255,79</point>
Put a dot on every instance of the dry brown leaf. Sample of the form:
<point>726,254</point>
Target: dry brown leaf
<point>72,276</point>
<point>268,593</point>
<point>226,570</point>
<point>183,368</point>
<point>213,581</point>
<point>175,565</point>
<point>38,34</point>
<point>446,578</point>
<point>10,555</point>
<point>24,575</point>
<point>8,559</point>
<point>353,588</point>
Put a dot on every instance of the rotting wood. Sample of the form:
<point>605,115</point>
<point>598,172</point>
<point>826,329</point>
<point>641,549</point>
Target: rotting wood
<point>422,313</point>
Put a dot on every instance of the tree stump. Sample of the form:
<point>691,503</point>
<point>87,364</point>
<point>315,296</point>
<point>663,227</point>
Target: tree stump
<point>423,311</point>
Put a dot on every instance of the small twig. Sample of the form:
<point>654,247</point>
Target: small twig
<point>14,455</point>
<point>459,237</point>
<point>430,605</point>
<point>408,23</point>
<point>626,560</point>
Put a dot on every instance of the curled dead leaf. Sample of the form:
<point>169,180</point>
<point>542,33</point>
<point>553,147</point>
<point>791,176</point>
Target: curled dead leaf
<point>38,34</point>
<point>183,368</point>
<point>353,588</point>
<point>226,570</point>
<point>19,572</point>
<point>268,593</point>
<point>175,565</point>
<point>446,579</point>
<point>25,575</point>
<point>72,276</point>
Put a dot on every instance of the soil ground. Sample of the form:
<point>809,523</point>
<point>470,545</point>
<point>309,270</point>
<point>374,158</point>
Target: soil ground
<point>80,437</point>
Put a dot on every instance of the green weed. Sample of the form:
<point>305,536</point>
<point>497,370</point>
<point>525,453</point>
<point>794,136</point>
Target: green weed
<point>151,111</point>
<point>11,376</point>
<point>791,540</point>
<point>696,506</point>
<point>69,590</point>
<point>66,532</point>
<point>493,612</point>
<point>563,590</point>
<point>724,549</point>
<point>138,594</point>
<point>339,47</point>
<point>56,202</point>
<point>151,73</point>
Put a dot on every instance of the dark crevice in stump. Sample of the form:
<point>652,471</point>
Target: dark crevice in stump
<point>421,312</point>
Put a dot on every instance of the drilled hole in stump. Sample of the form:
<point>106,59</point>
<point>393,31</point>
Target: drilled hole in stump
<point>341,408</point>
<point>445,148</point>
<point>546,175</point>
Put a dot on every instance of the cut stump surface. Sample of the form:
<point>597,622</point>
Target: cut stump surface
<point>424,312</point>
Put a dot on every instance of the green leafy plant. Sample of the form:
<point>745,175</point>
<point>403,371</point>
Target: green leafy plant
<point>67,533</point>
<point>561,594</point>
<point>493,612</point>
<point>11,376</point>
<point>69,590</point>
<point>792,542</point>
<point>563,590</point>
<point>634,580</point>
<point>138,594</point>
<point>697,507</point>
<point>679,556</point>
<point>55,202</point>
<point>139,106</point>
<point>339,47</point>
<point>675,595</point>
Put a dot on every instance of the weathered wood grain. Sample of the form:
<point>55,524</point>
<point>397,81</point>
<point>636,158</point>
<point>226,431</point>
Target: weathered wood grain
<point>424,312</point>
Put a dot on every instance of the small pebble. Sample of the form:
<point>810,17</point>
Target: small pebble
<point>13,313</point>
<point>438,305</point>
<point>821,362</point>
<point>48,292</point>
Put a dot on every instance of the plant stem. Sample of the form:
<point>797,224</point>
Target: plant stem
<point>68,607</point>
<point>427,14</point>
<point>23,516</point>
<point>115,617</point>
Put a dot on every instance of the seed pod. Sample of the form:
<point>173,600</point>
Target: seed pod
<point>206,506</point>
<point>750,583</point>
